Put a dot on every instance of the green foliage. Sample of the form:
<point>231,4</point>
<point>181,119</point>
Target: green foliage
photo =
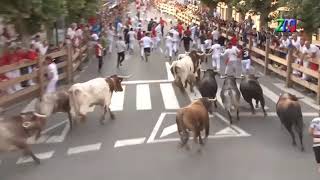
<point>78,9</point>
<point>241,6</point>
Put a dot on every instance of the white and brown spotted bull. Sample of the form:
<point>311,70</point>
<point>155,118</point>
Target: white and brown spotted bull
<point>51,103</point>
<point>250,89</point>
<point>195,118</point>
<point>290,114</point>
<point>15,131</point>
<point>230,96</point>
<point>187,69</point>
<point>96,92</point>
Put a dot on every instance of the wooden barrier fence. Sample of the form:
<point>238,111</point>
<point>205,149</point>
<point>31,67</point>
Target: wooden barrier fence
<point>68,61</point>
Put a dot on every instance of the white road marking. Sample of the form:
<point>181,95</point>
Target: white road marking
<point>129,142</point>
<point>61,138</point>
<point>259,114</point>
<point>146,81</point>
<point>161,50</point>
<point>117,100</point>
<point>156,128</point>
<point>143,101</point>
<point>271,95</point>
<point>53,127</point>
<point>307,100</point>
<point>169,97</point>
<point>226,131</point>
<point>195,95</point>
<point>30,107</point>
<point>170,76</point>
<point>85,148</point>
<point>41,156</point>
<point>169,130</point>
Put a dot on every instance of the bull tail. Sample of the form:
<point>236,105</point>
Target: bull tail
<point>207,127</point>
<point>179,121</point>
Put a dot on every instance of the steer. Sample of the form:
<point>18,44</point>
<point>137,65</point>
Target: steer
<point>290,114</point>
<point>230,96</point>
<point>85,96</point>
<point>208,85</point>
<point>15,131</point>
<point>186,70</point>
<point>51,103</point>
<point>194,117</point>
<point>251,89</point>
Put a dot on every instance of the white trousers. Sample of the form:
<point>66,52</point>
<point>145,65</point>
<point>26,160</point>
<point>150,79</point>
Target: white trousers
<point>175,46</point>
<point>12,75</point>
<point>306,65</point>
<point>202,48</point>
<point>245,65</point>
<point>52,86</point>
<point>168,50</point>
<point>232,65</point>
<point>110,46</point>
<point>131,45</point>
<point>216,62</point>
<point>141,51</point>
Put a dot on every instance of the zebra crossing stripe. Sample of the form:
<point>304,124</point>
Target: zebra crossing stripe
<point>117,100</point>
<point>169,97</point>
<point>143,101</point>
<point>85,148</point>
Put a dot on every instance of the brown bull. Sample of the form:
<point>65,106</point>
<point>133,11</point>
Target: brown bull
<point>15,131</point>
<point>194,117</point>
<point>290,114</point>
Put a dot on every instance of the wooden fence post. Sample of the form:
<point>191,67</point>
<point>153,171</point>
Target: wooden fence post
<point>289,67</point>
<point>250,42</point>
<point>69,63</point>
<point>41,73</point>
<point>266,58</point>
<point>318,93</point>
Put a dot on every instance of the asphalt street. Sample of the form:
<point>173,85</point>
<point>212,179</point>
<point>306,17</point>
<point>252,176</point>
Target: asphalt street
<point>142,143</point>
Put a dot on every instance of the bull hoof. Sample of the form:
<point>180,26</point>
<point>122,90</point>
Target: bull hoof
<point>302,149</point>
<point>265,114</point>
<point>37,161</point>
<point>257,106</point>
<point>112,117</point>
<point>294,143</point>
<point>102,121</point>
<point>253,112</point>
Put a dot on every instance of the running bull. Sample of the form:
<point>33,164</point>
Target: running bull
<point>250,89</point>
<point>290,114</point>
<point>85,96</point>
<point>186,70</point>
<point>208,85</point>
<point>194,117</point>
<point>230,95</point>
<point>15,131</point>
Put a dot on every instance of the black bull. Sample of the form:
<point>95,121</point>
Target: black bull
<point>208,86</point>
<point>251,89</point>
<point>230,96</point>
<point>290,114</point>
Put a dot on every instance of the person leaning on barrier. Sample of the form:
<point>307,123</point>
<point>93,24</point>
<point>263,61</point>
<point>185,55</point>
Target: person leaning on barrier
<point>52,75</point>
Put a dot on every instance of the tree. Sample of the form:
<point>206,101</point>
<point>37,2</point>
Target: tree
<point>262,8</point>
<point>241,7</point>
<point>29,15</point>
<point>78,9</point>
<point>211,3</point>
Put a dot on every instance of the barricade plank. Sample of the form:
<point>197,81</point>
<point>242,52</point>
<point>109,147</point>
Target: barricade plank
<point>305,70</point>
<point>11,67</point>
<point>59,53</point>
<point>276,70</point>
<point>277,59</point>
<point>75,56</point>
<point>257,60</point>
<point>304,83</point>
<point>16,95</point>
<point>259,51</point>
<point>17,80</point>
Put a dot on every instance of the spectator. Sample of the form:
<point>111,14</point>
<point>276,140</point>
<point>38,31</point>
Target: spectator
<point>52,75</point>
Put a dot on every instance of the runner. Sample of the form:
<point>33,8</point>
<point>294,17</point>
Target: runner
<point>121,48</point>
<point>232,53</point>
<point>314,131</point>
<point>147,44</point>
<point>246,61</point>
<point>216,51</point>
<point>175,41</point>
<point>186,42</point>
<point>169,45</point>
<point>162,23</point>
<point>132,36</point>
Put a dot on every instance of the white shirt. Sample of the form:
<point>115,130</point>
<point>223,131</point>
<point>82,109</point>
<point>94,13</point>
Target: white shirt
<point>285,43</point>
<point>95,37</point>
<point>38,45</point>
<point>53,71</point>
<point>315,125</point>
<point>131,35</point>
<point>216,50</point>
<point>232,53</point>
<point>147,42</point>
<point>71,33</point>
<point>169,41</point>
<point>110,34</point>
<point>296,43</point>
<point>175,35</point>
<point>215,34</point>
<point>313,49</point>
<point>120,46</point>
<point>208,43</point>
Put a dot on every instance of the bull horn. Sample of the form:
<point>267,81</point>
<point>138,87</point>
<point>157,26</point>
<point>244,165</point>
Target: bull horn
<point>39,115</point>
<point>201,54</point>
<point>125,77</point>
<point>223,77</point>
<point>300,97</point>
<point>202,70</point>
<point>213,100</point>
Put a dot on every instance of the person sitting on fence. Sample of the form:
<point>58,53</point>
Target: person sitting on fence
<point>52,75</point>
<point>311,52</point>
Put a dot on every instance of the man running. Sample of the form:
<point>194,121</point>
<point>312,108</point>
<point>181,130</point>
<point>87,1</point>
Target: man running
<point>216,51</point>
<point>169,44</point>
<point>246,61</point>
<point>121,48</point>
<point>314,131</point>
<point>175,35</point>
<point>186,42</point>
<point>232,54</point>
<point>132,36</point>
<point>147,44</point>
